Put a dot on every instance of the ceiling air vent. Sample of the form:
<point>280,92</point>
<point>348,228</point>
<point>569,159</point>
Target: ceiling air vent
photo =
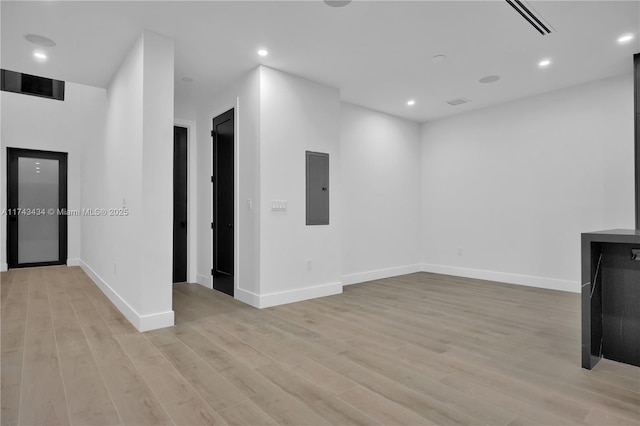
<point>459,101</point>
<point>535,21</point>
<point>11,81</point>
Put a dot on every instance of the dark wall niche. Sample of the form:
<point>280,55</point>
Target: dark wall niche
<point>27,84</point>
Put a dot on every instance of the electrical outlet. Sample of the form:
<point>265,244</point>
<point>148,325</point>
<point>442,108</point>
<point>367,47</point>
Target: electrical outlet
<point>249,206</point>
<point>309,264</point>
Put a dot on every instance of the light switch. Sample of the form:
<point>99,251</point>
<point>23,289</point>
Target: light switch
<point>278,205</point>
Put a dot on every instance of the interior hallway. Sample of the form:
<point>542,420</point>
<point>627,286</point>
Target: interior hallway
<point>417,349</point>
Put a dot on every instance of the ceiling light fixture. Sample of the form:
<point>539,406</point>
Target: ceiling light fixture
<point>625,38</point>
<point>439,58</point>
<point>458,101</point>
<point>40,40</point>
<point>40,56</point>
<point>263,52</point>
<point>489,79</point>
<point>544,63</point>
<point>411,102</point>
<point>337,3</point>
<point>37,162</point>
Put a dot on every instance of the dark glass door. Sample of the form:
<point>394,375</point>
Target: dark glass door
<point>37,203</point>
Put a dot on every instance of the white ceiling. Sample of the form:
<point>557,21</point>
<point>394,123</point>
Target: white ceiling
<point>377,53</point>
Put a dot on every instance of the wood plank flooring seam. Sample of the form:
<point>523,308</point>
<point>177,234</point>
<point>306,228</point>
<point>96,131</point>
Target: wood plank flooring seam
<point>55,340</point>
<point>28,284</point>
<point>72,277</point>
<point>136,367</point>
<point>205,361</point>
<point>12,291</point>
<point>100,373</point>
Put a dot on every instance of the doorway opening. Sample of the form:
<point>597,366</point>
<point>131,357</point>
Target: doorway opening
<point>36,208</point>
<point>180,210</point>
<point>223,183</point>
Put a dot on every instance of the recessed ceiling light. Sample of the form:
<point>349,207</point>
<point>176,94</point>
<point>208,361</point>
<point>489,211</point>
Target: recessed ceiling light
<point>37,171</point>
<point>411,102</point>
<point>439,58</point>
<point>187,79</point>
<point>263,52</point>
<point>40,56</point>
<point>625,38</point>
<point>37,162</point>
<point>458,101</point>
<point>40,40</point>
<point>337,3</point>
<point>489,79</point>
<point>544,63</point>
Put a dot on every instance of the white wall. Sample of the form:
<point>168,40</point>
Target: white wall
<point>157,176</point>
<point>243,96</point>
<point>296,115</point>
<point>112,175</point>
<point>32,122</point>
<point>380,204</point>
<point>277,118</point>
<point>130,257</point>
<point>513,186</point>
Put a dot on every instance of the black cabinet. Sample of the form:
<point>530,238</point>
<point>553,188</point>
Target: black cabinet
<point>611,297</point>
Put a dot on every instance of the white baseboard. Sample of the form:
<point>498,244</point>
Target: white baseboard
<point>284,297</point>
<point>4,267</point>
<point>247,297</point>
<point>204,280</point>
<point>156,321</point>
<point>73,262</point>
<point>140,322</point>
<point>379,274</point>
<point>504,277</point>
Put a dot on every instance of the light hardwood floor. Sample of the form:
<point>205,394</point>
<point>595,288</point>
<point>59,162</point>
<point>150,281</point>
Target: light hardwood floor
<point>417,349</point>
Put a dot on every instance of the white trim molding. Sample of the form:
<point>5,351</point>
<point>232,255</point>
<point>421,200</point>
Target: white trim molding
<point>504,277</point>
<point>379,274</point>
<point>290,296</point>
<point>247,297</point>
<point>140,322</point>
<point>4,267</point>
<point>73,262</point>
<point>156,321</point>
<point>204,281</point>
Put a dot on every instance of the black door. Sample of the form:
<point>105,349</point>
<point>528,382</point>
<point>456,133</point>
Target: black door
<point>222,134</point>
<point>37,208</point>
<point>179,204</point>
